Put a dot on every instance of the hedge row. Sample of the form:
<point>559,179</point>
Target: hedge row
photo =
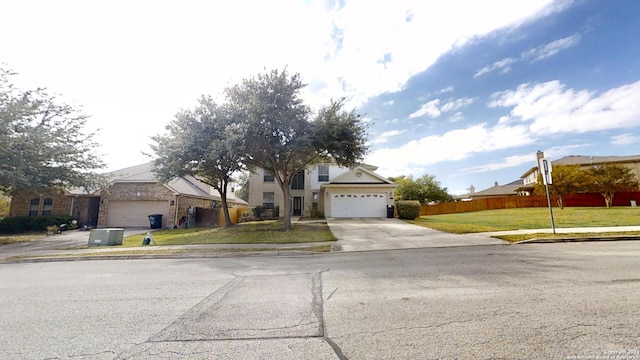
<point>22,224</point>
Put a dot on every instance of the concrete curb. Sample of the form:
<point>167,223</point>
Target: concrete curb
<point>580,239</point>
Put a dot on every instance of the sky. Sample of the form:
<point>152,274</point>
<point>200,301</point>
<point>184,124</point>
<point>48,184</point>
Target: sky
<point>465,90</point>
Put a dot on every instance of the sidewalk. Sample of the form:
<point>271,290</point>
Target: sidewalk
<point>581,230</point>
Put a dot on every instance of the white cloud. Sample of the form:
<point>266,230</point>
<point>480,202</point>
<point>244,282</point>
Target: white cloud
<point>370,30</point>
<point>451,146</point>
<point>161,56</point>
<point>448,89</point>
<point>551,108</point>
<point>456,104</point>
<point>430,108</point>
<point>625,139</point>
<point>509,161</point>
<point>456,117</point>
<point>434,110</point>
<point>388,103</point>
<point>536,54</point>
<point>503,65</point>
<point>552,48</point>
<point>386,135</point>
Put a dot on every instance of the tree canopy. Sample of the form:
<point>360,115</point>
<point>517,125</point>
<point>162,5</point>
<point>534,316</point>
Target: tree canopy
<point>425,189</point>
<point>607,180</point>
<point>566,179</point>
<point>281,134</point>
<point>42,141</point>
<point>202,143</point>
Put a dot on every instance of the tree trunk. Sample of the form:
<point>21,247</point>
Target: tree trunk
<point>560,202</point>
<point>286,207</point>
<point>225,208</point>
<point>608,199</point>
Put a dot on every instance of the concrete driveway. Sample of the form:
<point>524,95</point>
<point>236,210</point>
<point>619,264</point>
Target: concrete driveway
<point>365,234</point>
<point>63,242</point>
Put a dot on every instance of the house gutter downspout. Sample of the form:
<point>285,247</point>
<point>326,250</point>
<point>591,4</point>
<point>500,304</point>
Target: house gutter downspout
<point>175,218</point>
<point>73,202</point>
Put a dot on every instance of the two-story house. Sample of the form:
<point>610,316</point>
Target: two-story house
<point>530,178</point>
<point>330,189</point>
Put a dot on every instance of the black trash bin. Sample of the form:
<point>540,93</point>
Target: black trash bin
<point>155,221</point>
<point>390,212</point>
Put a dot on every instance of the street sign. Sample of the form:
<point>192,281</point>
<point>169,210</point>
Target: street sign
<point>545,169</point>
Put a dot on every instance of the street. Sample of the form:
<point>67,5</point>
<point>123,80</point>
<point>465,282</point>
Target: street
<point>552,301</point>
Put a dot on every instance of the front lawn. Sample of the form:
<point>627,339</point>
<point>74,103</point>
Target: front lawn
<point>264,232</point>
<point>530,218</point>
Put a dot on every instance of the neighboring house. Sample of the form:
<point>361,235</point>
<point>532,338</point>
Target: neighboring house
<point>327,188</point>
<point>492,192</point>
<point>132,195</point>
<point>531,176</point>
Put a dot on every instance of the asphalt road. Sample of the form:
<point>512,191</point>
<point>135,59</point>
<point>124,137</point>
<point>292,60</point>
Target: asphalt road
<point>551,301</point>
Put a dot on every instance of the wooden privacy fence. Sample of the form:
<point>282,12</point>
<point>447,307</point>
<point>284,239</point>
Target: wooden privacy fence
<point>506,202</point>
<point>509,202</point>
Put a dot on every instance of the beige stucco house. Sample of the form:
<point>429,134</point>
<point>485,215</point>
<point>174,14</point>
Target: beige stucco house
<point>132,195</point>
<point>326,189</point>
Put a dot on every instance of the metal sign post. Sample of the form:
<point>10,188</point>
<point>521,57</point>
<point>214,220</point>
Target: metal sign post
<point>544,166</point>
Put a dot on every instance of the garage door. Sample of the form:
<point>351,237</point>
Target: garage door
<point>359,205</point>
<point>135,213</point>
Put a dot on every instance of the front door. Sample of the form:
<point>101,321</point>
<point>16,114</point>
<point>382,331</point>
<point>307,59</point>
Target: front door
<point>297,205</point>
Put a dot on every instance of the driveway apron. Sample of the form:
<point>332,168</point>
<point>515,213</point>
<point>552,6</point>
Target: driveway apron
<point>366,234</point>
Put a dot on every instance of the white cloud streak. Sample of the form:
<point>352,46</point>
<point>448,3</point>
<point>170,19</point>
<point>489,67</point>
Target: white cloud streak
<point>625,139</point>
<point>535,54</point>
<point>434,110</point>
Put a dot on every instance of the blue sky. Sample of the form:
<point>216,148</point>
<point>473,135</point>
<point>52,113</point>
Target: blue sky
<point>465,90</point>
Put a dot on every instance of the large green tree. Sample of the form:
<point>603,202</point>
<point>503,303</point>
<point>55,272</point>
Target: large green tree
<point>425,189</point>
<point>43,143</point>
<point>282,135</point>
<point>566,179</point>
<point>203,143</point>
<point>610,179</point>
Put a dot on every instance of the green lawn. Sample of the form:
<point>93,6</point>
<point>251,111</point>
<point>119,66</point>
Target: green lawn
<point>264,232</point>
<point>530,218</point>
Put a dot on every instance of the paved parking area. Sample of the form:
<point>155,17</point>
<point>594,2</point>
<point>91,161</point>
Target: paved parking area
<point>68,240</point>
<point>365,234</point>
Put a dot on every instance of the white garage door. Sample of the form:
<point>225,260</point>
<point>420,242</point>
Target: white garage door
<point>135,213</point>
<point>359,205</point>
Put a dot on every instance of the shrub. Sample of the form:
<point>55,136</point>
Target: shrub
<point>408,209</point>
<point>21,224</point>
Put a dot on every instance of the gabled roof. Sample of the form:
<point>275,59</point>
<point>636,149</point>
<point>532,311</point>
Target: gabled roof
<point>187,185</point>
<point>591,160</point>
<point>498,190</point>
<point>366,177</point>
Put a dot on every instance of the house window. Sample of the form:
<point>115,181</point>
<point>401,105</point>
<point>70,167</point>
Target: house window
<point>298,181</point>
<point>34,207</point>
<point>36,210</point>
<point>314,204</point>
<point>323,172</point>
<point>47,205</point>
<point>268,176</point>
<point>268,200</point>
